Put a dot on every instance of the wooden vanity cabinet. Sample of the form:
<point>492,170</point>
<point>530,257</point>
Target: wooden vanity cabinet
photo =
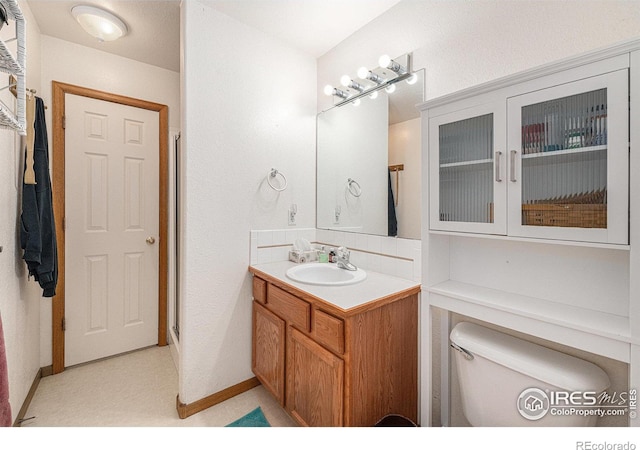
<point>315,394</point>
<point>268,361</point>
<point>331,367</point>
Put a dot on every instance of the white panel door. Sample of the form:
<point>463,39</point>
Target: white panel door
<point>112,201</point>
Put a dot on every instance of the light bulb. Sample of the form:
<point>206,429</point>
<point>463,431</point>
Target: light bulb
<point>363,72</point>
<point>412,79</point>
<point>328,90</point>
<point>345,80</point>
<point>384,61</point>
<point>374,95</point>
<point>391,88</point>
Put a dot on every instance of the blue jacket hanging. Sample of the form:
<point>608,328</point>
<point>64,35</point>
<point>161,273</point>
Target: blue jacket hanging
<point>38,232</point>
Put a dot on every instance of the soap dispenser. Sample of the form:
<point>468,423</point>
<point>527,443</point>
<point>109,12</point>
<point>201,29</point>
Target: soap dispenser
<point>323,257</point>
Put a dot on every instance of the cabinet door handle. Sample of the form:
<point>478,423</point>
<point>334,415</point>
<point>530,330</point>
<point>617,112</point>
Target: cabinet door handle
<point>512,168</point>
<point>498,157</point>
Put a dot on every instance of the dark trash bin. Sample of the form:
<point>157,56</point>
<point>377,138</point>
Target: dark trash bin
<point>395,420</point>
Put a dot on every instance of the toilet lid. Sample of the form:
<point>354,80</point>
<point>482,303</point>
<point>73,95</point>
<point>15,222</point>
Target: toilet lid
<point>542,363</point>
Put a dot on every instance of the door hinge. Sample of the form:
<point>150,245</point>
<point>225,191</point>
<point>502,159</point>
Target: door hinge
<point>64,324</point>
<point>64,122</point>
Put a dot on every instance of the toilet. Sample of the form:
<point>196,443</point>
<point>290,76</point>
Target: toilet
<point>508,382</point>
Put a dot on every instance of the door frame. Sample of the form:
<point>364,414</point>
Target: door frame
<point>59,90</point>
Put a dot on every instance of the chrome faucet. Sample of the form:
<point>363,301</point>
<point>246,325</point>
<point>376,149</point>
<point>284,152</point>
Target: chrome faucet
<point>342,259</point>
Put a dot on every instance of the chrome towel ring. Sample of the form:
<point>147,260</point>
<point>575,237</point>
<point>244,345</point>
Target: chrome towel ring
<point>356,190</point>
<point>273,174</point>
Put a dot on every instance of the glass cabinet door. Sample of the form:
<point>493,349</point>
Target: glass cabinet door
<point>568,161</point>
<point>467,170</point>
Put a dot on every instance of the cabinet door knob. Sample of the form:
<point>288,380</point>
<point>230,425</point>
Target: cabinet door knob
<point>512,168</point>
<point>151,240</point>
<point>498,159</point>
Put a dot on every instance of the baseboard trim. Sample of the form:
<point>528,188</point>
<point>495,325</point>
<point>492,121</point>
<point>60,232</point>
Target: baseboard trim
<point>47,371</point>
<point>186,410</point>
<point>42,372</point>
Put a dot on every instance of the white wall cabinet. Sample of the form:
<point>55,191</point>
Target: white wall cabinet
<point>468,188</point>
<point>550,163</point>
<point>531,205</point>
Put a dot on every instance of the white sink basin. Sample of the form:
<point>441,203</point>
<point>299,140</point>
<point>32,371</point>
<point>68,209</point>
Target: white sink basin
<point>325,274</point>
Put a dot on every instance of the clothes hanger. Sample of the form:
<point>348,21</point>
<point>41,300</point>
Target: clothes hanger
<point>29,173</point>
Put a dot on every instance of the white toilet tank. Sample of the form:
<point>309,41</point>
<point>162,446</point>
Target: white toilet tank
<point>506,381</point>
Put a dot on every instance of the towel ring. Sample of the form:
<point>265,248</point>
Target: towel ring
<point>274,173</point>
<point>355,191</point>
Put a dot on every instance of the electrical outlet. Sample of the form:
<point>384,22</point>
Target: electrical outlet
<point>293,210</point>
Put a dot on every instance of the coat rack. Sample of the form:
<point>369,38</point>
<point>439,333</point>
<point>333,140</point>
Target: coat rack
<point>397,168</point>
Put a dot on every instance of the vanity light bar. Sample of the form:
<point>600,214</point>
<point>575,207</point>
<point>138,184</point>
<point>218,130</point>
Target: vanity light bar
<point>386,63</point>
<point>372,89</point>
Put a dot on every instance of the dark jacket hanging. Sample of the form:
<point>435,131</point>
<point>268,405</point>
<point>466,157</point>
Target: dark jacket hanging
<point>38,232</point>
<point>392,221</point>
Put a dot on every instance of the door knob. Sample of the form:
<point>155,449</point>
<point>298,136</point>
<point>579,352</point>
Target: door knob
<point>151,240</point>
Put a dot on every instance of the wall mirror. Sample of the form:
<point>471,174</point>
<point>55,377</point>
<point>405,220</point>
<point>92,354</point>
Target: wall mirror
<point>368,163</point>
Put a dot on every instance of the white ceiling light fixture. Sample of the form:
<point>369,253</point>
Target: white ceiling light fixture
<point>99,23</point>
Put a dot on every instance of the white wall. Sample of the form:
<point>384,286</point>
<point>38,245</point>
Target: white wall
<point>248,106</point>
<point>462,43</point>
<point>83,66</point>
<point>20,298</point>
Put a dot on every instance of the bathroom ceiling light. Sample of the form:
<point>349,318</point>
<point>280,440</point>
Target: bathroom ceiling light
<point>99,23</point>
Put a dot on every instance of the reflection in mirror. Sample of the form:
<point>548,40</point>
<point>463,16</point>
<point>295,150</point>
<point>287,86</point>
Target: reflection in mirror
<point>368,163</point>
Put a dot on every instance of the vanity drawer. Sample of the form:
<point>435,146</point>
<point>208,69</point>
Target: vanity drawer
<point>289,307</point>
<point>329,330</point>
<point>259,290</point>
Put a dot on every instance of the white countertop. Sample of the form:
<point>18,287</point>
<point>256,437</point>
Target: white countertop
<point>374,287</point>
